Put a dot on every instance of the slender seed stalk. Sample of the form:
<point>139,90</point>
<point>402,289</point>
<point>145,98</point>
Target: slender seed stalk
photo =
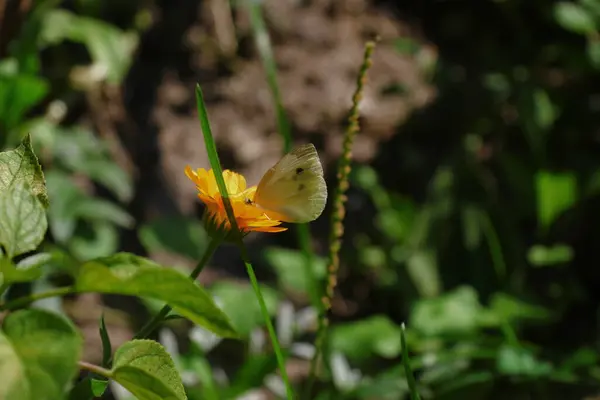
<point>338,213</point>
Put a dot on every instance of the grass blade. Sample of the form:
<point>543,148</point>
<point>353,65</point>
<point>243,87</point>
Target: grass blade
<point>412,385</point>
<point>215,164</point>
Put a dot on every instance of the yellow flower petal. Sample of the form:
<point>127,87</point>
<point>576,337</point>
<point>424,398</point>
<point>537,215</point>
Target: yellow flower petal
<point>248,216</point>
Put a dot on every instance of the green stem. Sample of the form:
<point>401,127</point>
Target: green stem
<point>213,156</point>
<point>267,317</point>
<point>20,302</point>
<point>96,369</point>
<point>151,325</point>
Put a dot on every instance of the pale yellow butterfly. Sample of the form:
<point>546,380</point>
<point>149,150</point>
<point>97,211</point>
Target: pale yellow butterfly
<point>294,189</point>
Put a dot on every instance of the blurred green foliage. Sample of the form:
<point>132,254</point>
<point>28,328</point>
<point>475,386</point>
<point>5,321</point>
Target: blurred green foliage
<point>482,213</point>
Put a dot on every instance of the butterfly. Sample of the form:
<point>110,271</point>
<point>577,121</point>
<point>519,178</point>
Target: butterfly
<point>293,190</point>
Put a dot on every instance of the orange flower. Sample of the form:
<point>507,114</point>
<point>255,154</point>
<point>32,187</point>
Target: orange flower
<point>247,215</point>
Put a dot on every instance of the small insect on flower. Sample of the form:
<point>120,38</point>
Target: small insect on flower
<point>293,190</point>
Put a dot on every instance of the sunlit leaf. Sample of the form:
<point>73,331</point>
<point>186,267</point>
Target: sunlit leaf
<point>21,165</point>
<point>132,275</point>
<point>145,369</point>
<point>38,355</point>
<point>574,18</point>
<point>556,192</point>
<point>23,221</point>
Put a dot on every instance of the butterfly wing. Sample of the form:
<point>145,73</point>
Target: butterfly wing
<point>294,189</point>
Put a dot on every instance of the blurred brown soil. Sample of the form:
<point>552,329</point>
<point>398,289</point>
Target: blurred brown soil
<point>318,48</point>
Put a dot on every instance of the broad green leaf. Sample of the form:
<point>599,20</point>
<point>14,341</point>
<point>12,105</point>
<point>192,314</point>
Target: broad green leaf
<point>132,275</point>
<point>574,18</point>
<point>109,47</point>
<point>23,221</point>
<point>240,305</point>
<point>455,312</point>
<point>180,235</point>
<point>144,368</point>
<point>290,267</point>
<point>39,351</point>
<point>362,339</point>
<point>521,362</point>
<point>556,192</point>
<point>21,165</point>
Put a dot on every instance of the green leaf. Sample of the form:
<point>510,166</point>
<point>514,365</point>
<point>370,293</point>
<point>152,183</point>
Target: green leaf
<point>129,274</point>
<point>574,18</point>
<point>556,192</point>
<point>88,389</point>
<point>21,165</point>
<point>544,256</point>
<point>38,355</point>
<point>96,239</point>
<point>455,312</point>
<point>423,271</point>
<point>18,93</point>
<point>145,369</point>
<point>11,273</point>
<point>289,265</point>
<point>106,346</point>
<point>109,47</point>
<point>239,303</point>
<point>511,309</point>
<point>362,339</point>
<point>180,235</point>
<point>521,362</point>
<point>23,221</point>
<point>92,209</point>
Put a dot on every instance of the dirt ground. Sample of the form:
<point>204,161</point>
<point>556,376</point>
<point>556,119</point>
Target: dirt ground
<point>318,48</point>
